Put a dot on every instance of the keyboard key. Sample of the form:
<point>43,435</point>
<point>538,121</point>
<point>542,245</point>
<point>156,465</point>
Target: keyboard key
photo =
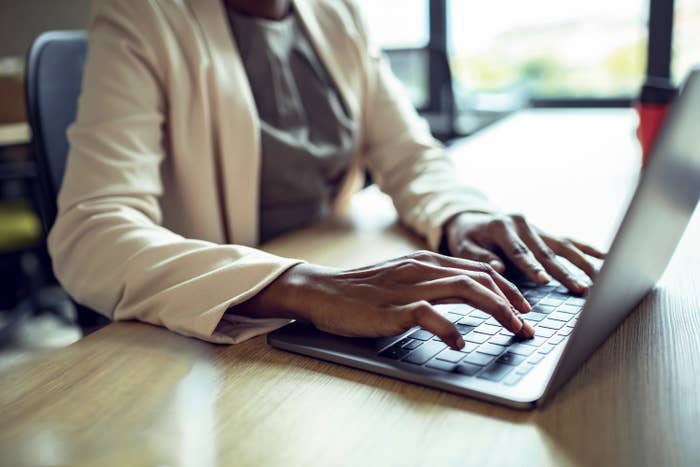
<point>453,317</point>
<point>411,344</point>
<point>522,349</point>
<point>488,329</point>
<point>565,331</point>
<point>468,369</point>
<point>464,329</point>
<point>441,365</point>
<point>395,353</point>
<point>559,294</point>
<point>495,372</point>
<point>556,340</point>
<point>524,369</point>
<point>444,308</point>
<point>479,314</point>
<point>535,341</point>
<point>490,349</point>
<point>450,355</point>
<point>534,360</point>
<point>403,342</point>
<point>493,321</point>
<point>476,337</point>
<point>551,324</point>
<point>535,316</point>
<point>459,308</point>
<point>544,332</point>
<point>551,301</point>
<point>559,316</point>
<point>470,321</point>
<point>545,349</point>
<point>575,301</point>
<point>542,309</point>
<point>506,332</point>
<point>509,358</point>
<point>425,352</point>
<point>534,300</point>
<point>477,358</point>
<point>569,309</point>
<point>513,379</point>
<point>422,335</point>
<point>502,340</point>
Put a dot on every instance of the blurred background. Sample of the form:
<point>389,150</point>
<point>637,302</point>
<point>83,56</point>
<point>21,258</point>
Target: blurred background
<point>464,65</point>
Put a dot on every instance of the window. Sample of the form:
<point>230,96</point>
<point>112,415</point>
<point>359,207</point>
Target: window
<point>686,40</point>
<point>397,24</point>
<point>401,28</point>
<point>549,48</point>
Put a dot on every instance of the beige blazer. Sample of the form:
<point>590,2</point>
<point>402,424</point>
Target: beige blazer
<point>158,212</point>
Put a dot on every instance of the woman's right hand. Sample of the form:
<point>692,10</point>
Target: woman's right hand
<point>391,297</point>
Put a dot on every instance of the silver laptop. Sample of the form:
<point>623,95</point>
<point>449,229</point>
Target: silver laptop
<point>499,367</point>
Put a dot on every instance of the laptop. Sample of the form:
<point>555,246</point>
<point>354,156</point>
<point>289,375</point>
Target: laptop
<point>499,367</point>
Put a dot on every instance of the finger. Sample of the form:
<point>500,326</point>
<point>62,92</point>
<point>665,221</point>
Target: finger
<point>448,266</point>
<point>570,252</point>
<point>424,315</point>
<point>548,258</point>
<point>470,250</point>
<point>589,250</point>
<point>475,294</point>
<point>517,251</point>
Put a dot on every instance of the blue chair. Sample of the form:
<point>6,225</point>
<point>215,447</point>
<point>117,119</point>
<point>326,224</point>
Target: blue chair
<point>54,75</point>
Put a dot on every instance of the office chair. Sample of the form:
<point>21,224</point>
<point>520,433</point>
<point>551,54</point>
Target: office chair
<point>54,75</point>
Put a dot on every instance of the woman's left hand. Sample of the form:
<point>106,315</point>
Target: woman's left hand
<point>491,238</point>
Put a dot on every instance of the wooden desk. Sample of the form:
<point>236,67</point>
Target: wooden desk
<point>132,394</point>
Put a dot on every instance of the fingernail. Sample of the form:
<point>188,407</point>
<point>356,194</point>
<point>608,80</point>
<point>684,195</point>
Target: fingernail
<point>460,343</point>
<point>528,307</point>
<point>526,331</point>
<point>543,276</point>
<point>497,265</point>
<point>516,322</point>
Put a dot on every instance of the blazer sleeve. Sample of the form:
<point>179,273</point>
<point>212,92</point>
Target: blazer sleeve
<point>404,159</point>
<point>108,247</point>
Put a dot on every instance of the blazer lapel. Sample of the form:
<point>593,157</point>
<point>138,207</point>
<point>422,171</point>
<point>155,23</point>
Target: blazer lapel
<point>322,40</point>
<point>235,122</point>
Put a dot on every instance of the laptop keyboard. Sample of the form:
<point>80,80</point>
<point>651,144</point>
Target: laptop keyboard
<point>492,352</point>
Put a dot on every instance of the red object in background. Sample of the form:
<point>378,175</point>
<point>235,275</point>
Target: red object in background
<point>651,116</point>
<point>654,102</point>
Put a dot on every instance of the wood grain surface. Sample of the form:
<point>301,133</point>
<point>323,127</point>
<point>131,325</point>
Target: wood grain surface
<point>133,394</point>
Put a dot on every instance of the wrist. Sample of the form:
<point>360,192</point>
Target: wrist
<point>288,296</point>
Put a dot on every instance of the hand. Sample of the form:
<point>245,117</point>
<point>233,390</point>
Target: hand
<point>389,298</point>
<point>493,238</point>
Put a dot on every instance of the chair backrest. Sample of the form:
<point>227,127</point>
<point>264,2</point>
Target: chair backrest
<point>54,76</point>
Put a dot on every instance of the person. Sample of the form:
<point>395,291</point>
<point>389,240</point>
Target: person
<point>207,126</point>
